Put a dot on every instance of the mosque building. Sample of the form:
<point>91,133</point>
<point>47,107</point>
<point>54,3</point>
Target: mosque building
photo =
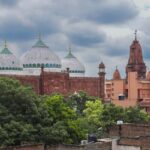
<point>46,73</point>
<point>135,88</point>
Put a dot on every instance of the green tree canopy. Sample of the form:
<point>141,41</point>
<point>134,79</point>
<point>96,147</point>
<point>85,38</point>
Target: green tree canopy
<point>18,112</point>
<point>28,117</point>
<point>77,101</point>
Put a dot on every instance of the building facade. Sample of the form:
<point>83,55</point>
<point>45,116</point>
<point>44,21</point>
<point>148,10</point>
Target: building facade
<point>46,73</point>
<point>134,89</point>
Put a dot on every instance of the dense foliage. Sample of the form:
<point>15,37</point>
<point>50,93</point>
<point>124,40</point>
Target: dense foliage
<point>28,118</point>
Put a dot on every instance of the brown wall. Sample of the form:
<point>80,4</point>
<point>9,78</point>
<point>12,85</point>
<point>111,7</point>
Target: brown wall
<point>55,82</point>
<point>32,81</point>
<point>27,147</point>
<point>132,135</point>
<point>94,146</point>
<point>137,141</point>
<point>130,130</point>
<point>58,82</point>
<point>87,84</point>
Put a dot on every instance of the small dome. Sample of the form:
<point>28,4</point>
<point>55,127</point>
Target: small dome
<point>116,75</point>
<point>101,65</point>
<point>148,75</point>
<point>41,55</point>
<point>8,61</point>
<point>76,68</point>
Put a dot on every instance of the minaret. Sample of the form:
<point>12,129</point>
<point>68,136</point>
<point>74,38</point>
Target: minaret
<point>102,80</point>
<point>135,62</point>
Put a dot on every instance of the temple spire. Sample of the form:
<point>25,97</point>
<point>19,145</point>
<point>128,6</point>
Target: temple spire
<point>135,35</point>
<point>135,61</point>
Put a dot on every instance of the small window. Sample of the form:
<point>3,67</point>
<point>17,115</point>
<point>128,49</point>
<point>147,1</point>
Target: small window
<point>121,97</point>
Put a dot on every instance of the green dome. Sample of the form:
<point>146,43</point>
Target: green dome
<point>41,55</point>
<point>5,51</point>
<point>76,68</point>
<point>8,61</point>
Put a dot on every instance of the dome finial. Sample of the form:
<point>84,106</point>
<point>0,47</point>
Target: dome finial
<point>5,44</point>
<point>69,48</point>
<point>39,35</point>
<point>135,35</point>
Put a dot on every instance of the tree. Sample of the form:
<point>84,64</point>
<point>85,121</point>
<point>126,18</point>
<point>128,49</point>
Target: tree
<point>62,127</point>
<point>111,114</point>
<point>92,116</point>
<point>77,101</point>
<point>18,112</point>
<point>27,117</point>
<point>136,115</point>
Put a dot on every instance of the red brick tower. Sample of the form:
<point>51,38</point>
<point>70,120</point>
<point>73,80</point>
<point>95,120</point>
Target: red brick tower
<point>101,80</point>
<point>135,62</point>
<point>116,75</point>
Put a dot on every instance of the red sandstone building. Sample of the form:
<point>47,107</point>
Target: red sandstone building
<point>134,89</point>
<point>43,70</point>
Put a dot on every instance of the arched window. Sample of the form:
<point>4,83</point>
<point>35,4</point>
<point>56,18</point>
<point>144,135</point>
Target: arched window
<point>47,65</point>
<point>38,65</point>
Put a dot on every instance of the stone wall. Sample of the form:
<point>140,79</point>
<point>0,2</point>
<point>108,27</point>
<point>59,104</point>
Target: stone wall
<point>135,135</point>
<point>87,84</point>
<point>92,146</point>
<point>32,81</point>
<point>55,82</point>
<point>130,130</point>
<point>60,82</point>
<point>117,146</point>
<point>26,147</point>
<point>143,142</point>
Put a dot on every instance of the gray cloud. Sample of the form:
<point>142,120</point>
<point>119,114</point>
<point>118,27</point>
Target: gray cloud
<point>48,17</point>
<point>86,38</point>
<point>114,12</point>
<point>97,10</point>
<point>8,2</point>
<point>15,29</point>
<point>85,34</point>
<point>117,46</point>
<point>69,21</point>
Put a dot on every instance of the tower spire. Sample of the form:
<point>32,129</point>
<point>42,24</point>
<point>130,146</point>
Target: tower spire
<point>135,61</point>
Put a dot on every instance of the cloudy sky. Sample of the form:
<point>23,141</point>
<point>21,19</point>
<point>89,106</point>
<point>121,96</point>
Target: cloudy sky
<point>98,30</point>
